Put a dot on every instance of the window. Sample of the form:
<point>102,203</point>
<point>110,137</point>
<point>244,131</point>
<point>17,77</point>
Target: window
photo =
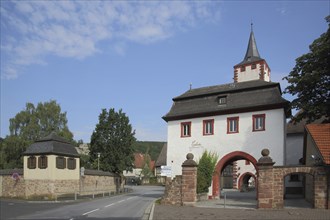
<point>228,170</point>
<point>32,162</point>
<point>42,162</point>
<point>232,125</point>
<point>185,129</point>
<point>71,163</point>
<point>242,68</point>
<point>259,122</point>
<point>208,127</point>
<point>222,100</point>
<point>247,162</point>
<point>253,66</point>
<point>60,163</point>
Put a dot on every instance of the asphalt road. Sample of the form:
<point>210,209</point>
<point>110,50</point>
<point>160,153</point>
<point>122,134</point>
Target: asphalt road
<point>128,206</point>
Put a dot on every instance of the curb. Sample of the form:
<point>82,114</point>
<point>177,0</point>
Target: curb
<point>147,212</point>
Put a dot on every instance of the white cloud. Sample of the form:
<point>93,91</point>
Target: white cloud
<point>32,30</point>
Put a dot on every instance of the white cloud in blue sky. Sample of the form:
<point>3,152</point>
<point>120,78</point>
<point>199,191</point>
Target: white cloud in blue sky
<point>32,30</point>
<point>138,55</point>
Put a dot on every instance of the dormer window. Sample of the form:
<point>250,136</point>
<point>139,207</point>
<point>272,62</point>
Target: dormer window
<point>222,100</point>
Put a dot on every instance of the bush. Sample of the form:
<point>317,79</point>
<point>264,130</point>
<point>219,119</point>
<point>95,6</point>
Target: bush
<point>205,170</point>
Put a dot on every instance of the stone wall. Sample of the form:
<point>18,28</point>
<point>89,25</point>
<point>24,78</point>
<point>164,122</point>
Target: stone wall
<point>173,194</point>
<point>50,188</point>
<point>271,183</point>
<point>92,182</point>
<point>182,190</point>
<point>12,187</point>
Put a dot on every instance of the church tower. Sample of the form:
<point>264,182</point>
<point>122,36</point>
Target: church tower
<point>253,67</point>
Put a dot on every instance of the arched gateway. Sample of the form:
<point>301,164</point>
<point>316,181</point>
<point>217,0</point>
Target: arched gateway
<point>245,115</point>
<point>227,159</point>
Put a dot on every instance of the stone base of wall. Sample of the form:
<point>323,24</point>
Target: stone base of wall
<point>50,188</point>
<point>12,187</point>
<point>172,194</point>
<point>92,183</point>
<point>97,182</point>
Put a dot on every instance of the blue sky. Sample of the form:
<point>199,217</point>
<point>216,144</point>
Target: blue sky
<point>137,56</point>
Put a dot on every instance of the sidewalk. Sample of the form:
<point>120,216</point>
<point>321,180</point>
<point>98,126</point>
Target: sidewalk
<point>238,206</point>
<point>166,212</point>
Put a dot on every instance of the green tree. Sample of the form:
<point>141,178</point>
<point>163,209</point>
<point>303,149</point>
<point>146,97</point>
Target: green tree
<point>205,170</point>
<point>146,170</point>
<point>310,80</point>
<point>29,125</point>
<point>113,138</point>
<point>33,123</point>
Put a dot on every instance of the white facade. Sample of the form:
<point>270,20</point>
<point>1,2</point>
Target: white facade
<point>252,71</point>
<point>246,140</point>
<point>51,172</point>
<point>294,148</point>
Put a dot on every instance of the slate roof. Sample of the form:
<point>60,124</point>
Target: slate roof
<point>240,97</point>
<point>52,144</point>
<point>321,136</point>
<point>161,160</point>
<point>252,53</point>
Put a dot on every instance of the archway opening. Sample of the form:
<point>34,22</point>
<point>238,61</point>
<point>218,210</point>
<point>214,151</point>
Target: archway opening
<point>298,190</point>
<point>232,171</point>
<point>231,159</point>
<point>247,182</point>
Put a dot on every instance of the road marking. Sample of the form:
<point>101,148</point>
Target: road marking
<point>109,205</point>
<point>120,201</point>
<point>90,211</point>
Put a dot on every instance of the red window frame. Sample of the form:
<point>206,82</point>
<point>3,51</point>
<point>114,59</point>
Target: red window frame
<point>228,125</point>
<point>183,124</point>
<point>254,120</point>
<point>205,122</point>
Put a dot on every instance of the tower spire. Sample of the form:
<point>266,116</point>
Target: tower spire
<point>253,67</point>
<point>252,50</point>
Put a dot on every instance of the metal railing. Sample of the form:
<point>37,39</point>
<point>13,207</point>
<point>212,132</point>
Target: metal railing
<point>88,194</point>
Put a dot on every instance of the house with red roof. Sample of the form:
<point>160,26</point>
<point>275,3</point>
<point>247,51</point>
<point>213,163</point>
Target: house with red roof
<point>140,163</point>
<point>317,144</point>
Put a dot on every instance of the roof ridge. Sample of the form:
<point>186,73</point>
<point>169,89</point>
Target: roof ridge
<point>227,88</point>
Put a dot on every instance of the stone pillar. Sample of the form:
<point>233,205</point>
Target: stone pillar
<point>189,181</point>
<point>320,189</point>
<point>265,181</point>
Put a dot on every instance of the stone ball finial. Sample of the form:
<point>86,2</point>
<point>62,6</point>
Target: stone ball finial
<point>265,152</point>
<point>190,156</point>
<point>189,162</point>
<point>265,160</point>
